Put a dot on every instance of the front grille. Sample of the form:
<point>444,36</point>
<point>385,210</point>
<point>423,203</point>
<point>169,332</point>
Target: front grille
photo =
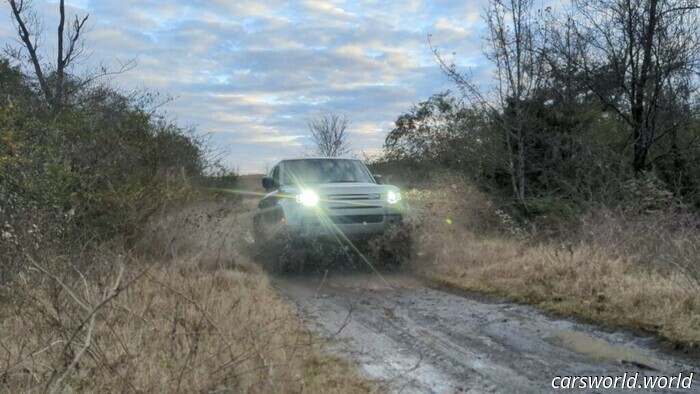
<point>353,197</point>
<point>357,219</point>
<point>355,206</point>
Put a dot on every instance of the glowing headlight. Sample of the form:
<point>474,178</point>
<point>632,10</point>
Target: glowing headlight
<point>308,198</point>
<point>393,197</point>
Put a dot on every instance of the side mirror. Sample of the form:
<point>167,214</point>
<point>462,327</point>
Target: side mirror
<point>378,179</point>
<point>269,183</point>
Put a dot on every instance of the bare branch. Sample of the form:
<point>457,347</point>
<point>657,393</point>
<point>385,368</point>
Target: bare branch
<point>329,135</point>
<point>66,56</point>
<point>70,47</point>
<point>20,16</point>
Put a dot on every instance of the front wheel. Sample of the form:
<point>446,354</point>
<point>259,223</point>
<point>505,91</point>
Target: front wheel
<point>394,248</point>
<point>291,253</point>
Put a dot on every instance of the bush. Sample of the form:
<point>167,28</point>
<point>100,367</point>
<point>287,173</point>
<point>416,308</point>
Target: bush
<point>646,194</point>
<point>88,174</point>
<point>572,155</point>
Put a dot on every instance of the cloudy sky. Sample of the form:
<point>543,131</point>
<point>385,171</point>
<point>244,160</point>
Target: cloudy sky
<point>251,73</point>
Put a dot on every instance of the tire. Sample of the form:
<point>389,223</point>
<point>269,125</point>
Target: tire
<point>394,248</point>
<point>300,254</point>
<point>267,246</point>
<point>293,253</point>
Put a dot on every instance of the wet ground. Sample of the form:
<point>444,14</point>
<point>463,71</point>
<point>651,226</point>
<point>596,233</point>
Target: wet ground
<point>413,338</point>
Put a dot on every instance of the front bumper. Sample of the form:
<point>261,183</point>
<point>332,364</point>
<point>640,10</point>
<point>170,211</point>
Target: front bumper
<point>348,225</point>
<point>320,221</point>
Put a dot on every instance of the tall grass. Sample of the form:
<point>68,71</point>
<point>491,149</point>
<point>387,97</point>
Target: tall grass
<point>639,271</point>
<point>183,311</point>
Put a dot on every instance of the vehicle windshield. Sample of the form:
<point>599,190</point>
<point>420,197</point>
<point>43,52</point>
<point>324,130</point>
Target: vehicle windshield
<point>325,171</point>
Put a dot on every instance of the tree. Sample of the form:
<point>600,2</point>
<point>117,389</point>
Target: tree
<point>515,44</point>
<point>421,132</point>
<point>56,84</point>
<point>70,47</point>
<point>329,135</point>
<point>635,55</point>
<point>440,130</point>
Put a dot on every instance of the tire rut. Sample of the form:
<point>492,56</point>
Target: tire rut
<point>411,338</point>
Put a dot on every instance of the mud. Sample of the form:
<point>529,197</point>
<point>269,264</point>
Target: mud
<point>412,338</point>
<point>409,336</point>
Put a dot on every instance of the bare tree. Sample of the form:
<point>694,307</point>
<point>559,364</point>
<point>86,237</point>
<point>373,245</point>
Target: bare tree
<point>329,135</point>
<point>70,47</point>
<point>632,55</point>
<point>515,43</point>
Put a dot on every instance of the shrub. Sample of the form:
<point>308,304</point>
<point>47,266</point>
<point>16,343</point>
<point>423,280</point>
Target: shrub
<point>85,175</point>
<point>646,194</point>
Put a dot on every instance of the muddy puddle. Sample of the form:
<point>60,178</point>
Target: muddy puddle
<point>598,349</point>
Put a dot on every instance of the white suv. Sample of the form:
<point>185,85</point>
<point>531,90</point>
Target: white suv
<point>325,196</point>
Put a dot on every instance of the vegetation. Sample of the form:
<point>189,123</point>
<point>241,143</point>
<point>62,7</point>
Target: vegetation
<point>640,272</point>
<point>183,310</point>
<point>575,186</point>
<point>90,173</point>
<point>329,135</point>
<point>572,182</point>
<point>104,283</point>
<point>583,105</point>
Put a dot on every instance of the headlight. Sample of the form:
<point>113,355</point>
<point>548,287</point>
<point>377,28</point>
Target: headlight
<point>393,197</point>
<point>308,198</point>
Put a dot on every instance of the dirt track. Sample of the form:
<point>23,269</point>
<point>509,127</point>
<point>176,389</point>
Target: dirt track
<point>412,338</point>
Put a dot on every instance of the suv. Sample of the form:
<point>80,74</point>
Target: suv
<point>334,197</point>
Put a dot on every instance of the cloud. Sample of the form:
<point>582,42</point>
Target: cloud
<point>252,73</point>
<point>326,11</point>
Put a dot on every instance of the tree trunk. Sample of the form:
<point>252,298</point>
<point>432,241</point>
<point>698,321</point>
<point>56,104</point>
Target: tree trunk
<point>642,132</point>
<point>60,62</point>
<point>521,165</point>
<point>26,38</point>
<point>511,163</point>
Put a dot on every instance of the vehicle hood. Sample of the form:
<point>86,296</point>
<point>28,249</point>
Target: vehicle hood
<point>326,189</point>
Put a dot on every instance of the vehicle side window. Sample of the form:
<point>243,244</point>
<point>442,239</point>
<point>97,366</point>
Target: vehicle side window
<point>276,173</point>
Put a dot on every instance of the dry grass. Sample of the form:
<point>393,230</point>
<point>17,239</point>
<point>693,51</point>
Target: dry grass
<point>635,275</point>
<point>189,313</point>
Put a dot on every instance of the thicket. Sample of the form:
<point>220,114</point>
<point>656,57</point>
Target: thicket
<point>85,174</point>
<point>596,105</point>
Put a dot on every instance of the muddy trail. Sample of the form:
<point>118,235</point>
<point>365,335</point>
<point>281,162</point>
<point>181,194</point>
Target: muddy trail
<point>411,337</point>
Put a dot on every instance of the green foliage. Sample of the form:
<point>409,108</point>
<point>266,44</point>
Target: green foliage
<point>430,132</point>
<point>566,118</point>
<point>91,172</point>
<point>576,162</point>
<point>575,155</point>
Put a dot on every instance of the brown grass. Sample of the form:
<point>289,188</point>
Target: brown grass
<point>622,273</point>
<point>189,313</point>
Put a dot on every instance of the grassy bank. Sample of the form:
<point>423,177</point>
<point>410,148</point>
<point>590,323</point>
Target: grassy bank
<point>638,274</point>
<point>184,311</point>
